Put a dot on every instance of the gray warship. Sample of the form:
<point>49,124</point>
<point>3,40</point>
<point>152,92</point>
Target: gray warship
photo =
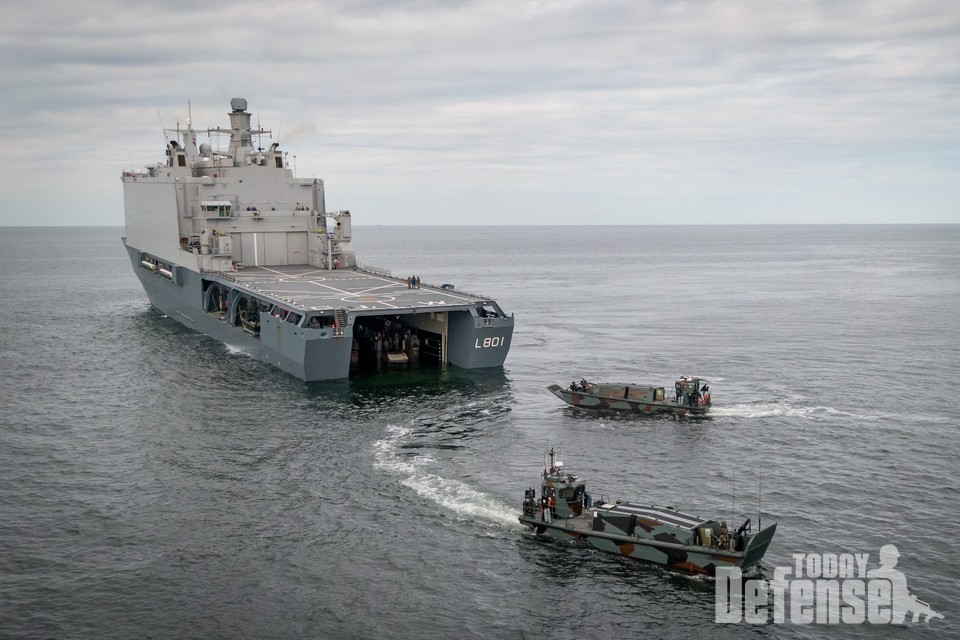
<point>231,244</point>
<point>661,535</point>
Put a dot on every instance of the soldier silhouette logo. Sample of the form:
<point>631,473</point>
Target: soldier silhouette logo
<point>902,601</point>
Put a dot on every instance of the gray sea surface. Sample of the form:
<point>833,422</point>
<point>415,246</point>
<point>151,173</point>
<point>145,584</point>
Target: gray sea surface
<point>155,483</point>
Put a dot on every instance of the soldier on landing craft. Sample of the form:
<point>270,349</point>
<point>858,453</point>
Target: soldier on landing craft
<point>723,541</point>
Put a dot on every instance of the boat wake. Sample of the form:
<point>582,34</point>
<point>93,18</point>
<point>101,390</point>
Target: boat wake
<point>458,497</point>
<point>787,409</point>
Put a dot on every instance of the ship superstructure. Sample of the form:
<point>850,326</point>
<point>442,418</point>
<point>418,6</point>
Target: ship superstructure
<point>231,244</point>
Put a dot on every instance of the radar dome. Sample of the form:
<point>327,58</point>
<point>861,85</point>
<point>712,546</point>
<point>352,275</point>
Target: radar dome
<point>205,150</point>
<point>238,104</point>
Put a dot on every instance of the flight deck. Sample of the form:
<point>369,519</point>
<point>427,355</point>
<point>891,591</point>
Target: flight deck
<point>313,289</point>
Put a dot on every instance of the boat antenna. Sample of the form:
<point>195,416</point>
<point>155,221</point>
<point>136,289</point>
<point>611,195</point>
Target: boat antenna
<point>733,493</point>
<point>759,499</point>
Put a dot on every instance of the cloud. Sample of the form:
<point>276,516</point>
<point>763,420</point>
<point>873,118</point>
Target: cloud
<point>430,112</point>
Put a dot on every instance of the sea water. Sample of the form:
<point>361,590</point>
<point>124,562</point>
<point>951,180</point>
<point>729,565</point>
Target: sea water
<point>157,483</point>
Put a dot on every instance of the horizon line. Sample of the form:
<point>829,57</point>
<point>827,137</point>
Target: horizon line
<point>647,224</point>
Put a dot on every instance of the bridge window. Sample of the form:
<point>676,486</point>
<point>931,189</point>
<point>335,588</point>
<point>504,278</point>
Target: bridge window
<point>217,208</point>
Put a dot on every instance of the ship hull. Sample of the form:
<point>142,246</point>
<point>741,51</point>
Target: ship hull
<point>323,357</point>
<point>308,354</point>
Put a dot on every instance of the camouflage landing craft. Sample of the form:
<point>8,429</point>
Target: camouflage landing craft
<point>661,535</point>
<point>691,395</point>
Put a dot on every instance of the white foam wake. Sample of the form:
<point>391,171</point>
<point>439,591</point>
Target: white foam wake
<point>456,496</point>
<point>234,351</point>
<point>786,409</point>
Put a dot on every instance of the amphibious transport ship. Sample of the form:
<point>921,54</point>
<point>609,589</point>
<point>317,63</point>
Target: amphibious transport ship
<point>231,244</point>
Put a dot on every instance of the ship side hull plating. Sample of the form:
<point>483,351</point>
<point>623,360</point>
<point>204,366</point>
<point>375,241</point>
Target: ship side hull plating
<point>322,356</point>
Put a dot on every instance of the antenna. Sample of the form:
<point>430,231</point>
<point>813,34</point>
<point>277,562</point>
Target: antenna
<point>733,491</point>
<point>163,131</point>
<point>760,500</point>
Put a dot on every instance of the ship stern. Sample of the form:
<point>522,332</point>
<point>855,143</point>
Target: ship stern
<point>478,342</point>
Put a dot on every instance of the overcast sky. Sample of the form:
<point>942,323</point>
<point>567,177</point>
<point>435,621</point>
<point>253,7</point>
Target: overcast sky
<point>502,112</point>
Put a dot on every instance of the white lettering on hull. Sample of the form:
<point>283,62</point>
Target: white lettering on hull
<point>495,341</point>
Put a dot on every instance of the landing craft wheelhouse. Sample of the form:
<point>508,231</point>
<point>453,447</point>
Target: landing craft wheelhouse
<point>230,243</point>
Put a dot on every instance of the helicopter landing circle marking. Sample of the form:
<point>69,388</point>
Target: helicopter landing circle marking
<point>368,298</point>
